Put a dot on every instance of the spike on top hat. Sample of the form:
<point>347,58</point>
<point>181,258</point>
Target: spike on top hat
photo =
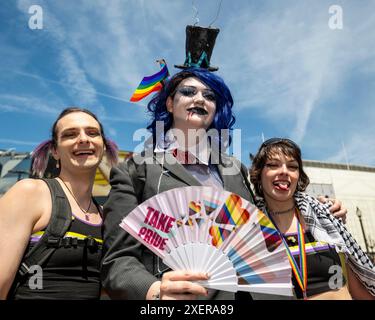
<point>200,42</point>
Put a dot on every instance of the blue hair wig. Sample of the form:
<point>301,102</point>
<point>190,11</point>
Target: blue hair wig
<point>224,118</point>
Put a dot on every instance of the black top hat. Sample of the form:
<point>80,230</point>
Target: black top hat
<point>200,42</point>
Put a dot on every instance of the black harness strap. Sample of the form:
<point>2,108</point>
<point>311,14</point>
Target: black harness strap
<point>61,218</point>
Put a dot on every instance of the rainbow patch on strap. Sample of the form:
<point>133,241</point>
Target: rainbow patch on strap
<point>150,84</point>
<point>270,233</point>
<point>232,212</point>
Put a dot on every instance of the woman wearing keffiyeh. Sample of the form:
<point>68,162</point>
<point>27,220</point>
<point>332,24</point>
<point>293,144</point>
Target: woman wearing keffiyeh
<point>326,260</point>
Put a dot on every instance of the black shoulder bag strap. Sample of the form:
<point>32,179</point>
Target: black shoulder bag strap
<point>61,218</point>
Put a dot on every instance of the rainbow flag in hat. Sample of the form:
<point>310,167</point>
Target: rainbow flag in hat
<point>151,83</point>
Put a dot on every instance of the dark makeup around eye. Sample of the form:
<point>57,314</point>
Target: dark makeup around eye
<point>190,91</point>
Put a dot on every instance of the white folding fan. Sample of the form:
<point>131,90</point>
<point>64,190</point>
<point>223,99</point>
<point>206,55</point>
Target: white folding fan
<point>209,230</point>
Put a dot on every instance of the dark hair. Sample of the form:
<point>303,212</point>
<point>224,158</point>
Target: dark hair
<point>41,152</point>
<point>224,118</point>
<point>269,148</point>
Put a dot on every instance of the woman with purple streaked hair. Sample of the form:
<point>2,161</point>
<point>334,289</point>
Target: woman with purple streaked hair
<point>34,211</point>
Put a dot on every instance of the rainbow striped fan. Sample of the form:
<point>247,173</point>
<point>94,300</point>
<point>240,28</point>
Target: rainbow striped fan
<point>209,230</point>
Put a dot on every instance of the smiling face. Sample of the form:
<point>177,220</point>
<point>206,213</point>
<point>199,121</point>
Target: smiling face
<point>279,178</point>
<point>79,142</point>
<point>193,105</point>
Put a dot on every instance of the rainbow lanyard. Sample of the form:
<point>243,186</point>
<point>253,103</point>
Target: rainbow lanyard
<point>299,272</point>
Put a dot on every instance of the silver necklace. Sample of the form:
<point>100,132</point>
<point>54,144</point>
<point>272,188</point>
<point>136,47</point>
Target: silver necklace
<point>282,212</point>
<point>87,214</point>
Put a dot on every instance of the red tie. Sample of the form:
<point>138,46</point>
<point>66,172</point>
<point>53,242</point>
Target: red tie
<point>184,157</point>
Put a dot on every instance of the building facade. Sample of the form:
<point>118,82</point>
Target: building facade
<point>355,187</point>
<point>13,167</point>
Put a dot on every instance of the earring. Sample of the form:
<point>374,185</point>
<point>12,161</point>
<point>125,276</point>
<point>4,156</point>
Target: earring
<point>58,164</point>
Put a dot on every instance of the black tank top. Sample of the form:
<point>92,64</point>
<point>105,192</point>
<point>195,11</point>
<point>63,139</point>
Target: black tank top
<point>73,270</point>
<point>323,265</point>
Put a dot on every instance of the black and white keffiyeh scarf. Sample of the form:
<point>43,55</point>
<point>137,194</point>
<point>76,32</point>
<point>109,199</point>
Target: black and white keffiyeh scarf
<point>325,227</point>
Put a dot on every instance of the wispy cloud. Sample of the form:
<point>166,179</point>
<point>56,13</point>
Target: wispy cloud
<point>74,87</point>
<point>356,149</point>
<point>19,142</point>
<point>70,71</point>
<point>99,45</point>
<point>26,104</point>
<point>128,37</point>
<point>8,108</point>
<point>286,63</point>
<point>75,77</point>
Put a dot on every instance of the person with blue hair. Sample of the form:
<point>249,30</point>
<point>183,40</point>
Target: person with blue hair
<point>191,125</point>
<point>195,110</point>
<point>223,118</point>
<point>191,122</point>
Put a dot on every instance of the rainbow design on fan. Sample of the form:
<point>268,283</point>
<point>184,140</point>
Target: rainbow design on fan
<point>219,235</point>
<point>232,212</point>
<point>246,258</point>
<point>199,221</point>
<point>236,254</point>
<point>270,233</point>
<point>244,270</point>
<point>210,206</point>
<point>194,208</point>
<point>150,84</point>
<point>189,222</point>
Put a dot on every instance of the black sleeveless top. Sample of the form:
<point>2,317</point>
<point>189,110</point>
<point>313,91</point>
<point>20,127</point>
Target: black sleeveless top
<point>73,270</point>
<point>325,268</point>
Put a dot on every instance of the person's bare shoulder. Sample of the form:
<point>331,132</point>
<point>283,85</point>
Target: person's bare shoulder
<point>24,209</point>
<point>30,190</point>
<point>28,198</point>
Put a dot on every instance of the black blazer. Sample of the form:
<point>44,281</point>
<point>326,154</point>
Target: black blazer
<point>128,267</point>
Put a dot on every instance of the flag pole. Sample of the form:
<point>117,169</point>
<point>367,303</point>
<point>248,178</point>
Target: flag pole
<point>345,155</point>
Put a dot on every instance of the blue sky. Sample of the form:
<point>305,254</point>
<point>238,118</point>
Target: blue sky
<point>289,73</point>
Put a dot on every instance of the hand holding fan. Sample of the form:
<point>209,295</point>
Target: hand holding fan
<point>204,229</point>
